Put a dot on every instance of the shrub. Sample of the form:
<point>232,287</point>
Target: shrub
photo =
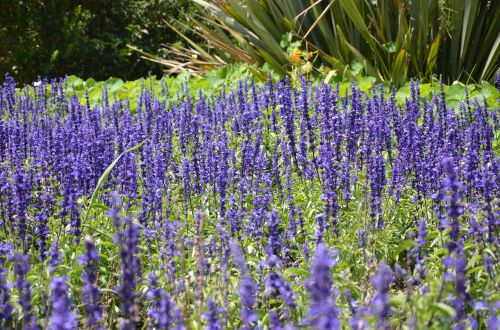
<point>84,37</point>
<point>393,39</point>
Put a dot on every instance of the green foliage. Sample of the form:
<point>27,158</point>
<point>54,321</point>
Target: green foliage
<point>392,39</point>
<point>104,177</point>
<point>229,75</point>
<point>215,80</point>
<point>353,271</point>
<point>84,37</point>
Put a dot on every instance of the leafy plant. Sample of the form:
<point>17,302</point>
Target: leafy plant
<point>88,38</point>
<point>392,39</point>
<point>247,205</point>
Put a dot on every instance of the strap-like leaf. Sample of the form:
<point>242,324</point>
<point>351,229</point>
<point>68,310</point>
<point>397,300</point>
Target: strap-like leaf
<point>104,178</point>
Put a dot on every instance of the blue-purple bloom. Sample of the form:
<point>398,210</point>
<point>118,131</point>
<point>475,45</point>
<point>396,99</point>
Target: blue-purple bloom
<point>128,240</point>
<point>323,313</point>
<point>274,239</point>
<point>260,162</point>
<point>91,294</point>
<point>21,269</point>
<point>63,317</point>
<point>246,290</point>
<point>454,208</point>
<point>382,283</point>
<point>163,314</point>
<point>211,316</point>
<point>276,285</point>
<point>5,306</point>
<point>55,255</point>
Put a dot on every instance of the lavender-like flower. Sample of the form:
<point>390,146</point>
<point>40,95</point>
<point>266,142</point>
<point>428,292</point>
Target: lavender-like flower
<point>5,306</point>
<point>376,173</point>
<point>489,187</point>
<point>55,255</point>
<point>163,314</point>
<point>461,294</point>
<point>274,239</point>
<point>62,318</point>
<point>321,226</point>
<point>245,155</point>
<point>276,285</point>
<point>454,208</point>
<point>128,240</point>
<point>274,321</point>
<point>323,313</point>
<point>91,293</point>
<point>212,316</point>
<point>21,269</point>
<point>287,114</point>
<point>493,322</point>
<point>421,239</point>
<point>247,290</point>
<point>382,282</point>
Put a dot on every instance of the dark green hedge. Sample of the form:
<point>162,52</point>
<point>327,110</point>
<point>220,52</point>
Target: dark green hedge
<point>84,37</point>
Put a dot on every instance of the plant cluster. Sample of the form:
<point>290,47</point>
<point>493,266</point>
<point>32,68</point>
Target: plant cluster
<point>262,206</point>
<point>391,39</point>
<point>85,37</point>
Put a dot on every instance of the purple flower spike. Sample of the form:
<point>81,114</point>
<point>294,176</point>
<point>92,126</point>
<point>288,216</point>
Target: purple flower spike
<point>323,313</point>
<point>21,270</point>
<point>62,318</point>
<point>5,307</point>
<point>128,240</point>
<point>382,282</point>
<point>247,290</point>
<point>454,207</point>
<point>163,314</point>
<point>212,316</point>
<point>91,293</point>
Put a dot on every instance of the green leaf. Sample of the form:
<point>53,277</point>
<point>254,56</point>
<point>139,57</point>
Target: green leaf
<point>100,231</point>
<point>433,55</point>
<point>104,178</point>
<point>114,84</point>
<point>398,300</point>
<point>404,245</point>
<point>91,82</point>
<point>285,40</point>
<point>351,9</point>
<point>489,92</point>
<point>444,309</point>
<point>400,68</point>
<point>365,83</point>
<point>74,83</point>
<point>296,271</point>
<point>456,92</point>
<point>475,270</point>
<point>390,47</point>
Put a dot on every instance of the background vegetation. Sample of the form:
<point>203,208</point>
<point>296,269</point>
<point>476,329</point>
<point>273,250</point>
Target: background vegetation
<point>324,200</point>
<point>391,39</point>
<point>85,37</point>
<point>149,203</point>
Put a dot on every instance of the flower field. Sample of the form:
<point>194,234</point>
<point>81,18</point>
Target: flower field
<point>274,205</point>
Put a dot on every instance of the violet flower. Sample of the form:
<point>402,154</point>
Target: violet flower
<point>323,313</point>
<point>211,316</point>
<point>21,269</point>
<point>382,282</point>
<point>91,294</point>
<point>62,318</point>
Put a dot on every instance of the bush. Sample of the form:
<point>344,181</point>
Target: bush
<point>84,37</point>
<point>392,39</point>
<point>247,206</point>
